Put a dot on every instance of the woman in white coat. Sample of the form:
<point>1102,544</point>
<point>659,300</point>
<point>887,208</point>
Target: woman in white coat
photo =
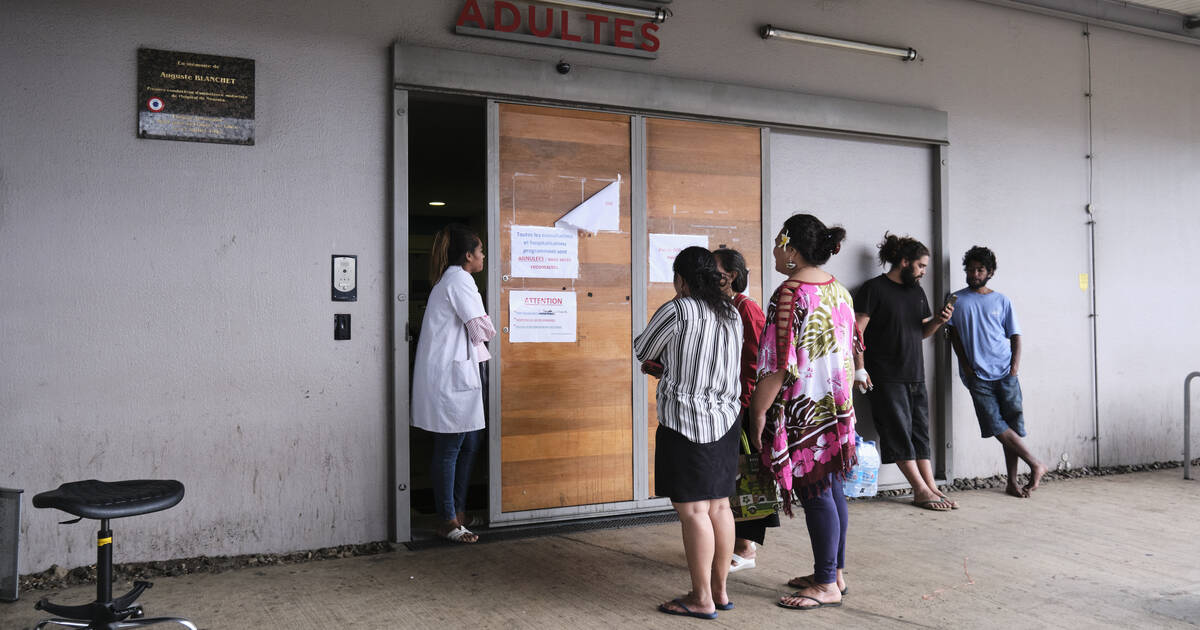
<point>447,393</point>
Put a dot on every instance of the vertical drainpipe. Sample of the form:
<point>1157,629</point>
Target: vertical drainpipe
<point>1091,227</point>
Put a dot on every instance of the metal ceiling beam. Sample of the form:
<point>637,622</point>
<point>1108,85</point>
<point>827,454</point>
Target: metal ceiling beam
<point>1122,16</point>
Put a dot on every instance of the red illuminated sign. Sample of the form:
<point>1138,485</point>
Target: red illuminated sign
<point>559,27</point>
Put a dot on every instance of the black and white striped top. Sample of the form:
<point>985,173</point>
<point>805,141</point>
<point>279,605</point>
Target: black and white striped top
<point>700,352</point>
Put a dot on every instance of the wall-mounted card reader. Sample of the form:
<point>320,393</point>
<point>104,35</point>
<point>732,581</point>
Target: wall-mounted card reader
<point>345,278</point>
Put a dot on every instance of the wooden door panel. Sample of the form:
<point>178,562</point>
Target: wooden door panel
<point>567,408</point>
<point>702,178</point>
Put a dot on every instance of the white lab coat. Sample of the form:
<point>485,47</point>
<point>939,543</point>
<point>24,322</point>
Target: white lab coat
<point>447,396</point>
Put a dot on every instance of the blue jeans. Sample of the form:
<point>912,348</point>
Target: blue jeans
<point>453,456</point>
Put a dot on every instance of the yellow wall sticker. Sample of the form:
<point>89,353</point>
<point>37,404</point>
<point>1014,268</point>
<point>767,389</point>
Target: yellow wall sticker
<point>1083,282</point>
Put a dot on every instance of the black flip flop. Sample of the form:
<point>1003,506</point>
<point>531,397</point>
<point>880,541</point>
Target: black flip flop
<point>686,612</point>
<point>810,584</point>
<point>797,595</point>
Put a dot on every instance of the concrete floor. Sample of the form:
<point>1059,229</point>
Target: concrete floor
<point>1108,552</point>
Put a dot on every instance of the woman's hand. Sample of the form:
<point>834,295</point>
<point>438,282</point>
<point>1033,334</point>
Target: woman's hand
<point>653,368</point>
<point>757,424</point>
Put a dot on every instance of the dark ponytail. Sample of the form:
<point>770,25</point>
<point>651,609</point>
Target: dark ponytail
<point>450,247</point>
<point>698,268</point>
<point>894,249</point>
<point>811,239</point>
<point>733,261</point>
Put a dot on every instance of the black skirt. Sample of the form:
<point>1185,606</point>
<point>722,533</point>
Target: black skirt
<point>686,471</point>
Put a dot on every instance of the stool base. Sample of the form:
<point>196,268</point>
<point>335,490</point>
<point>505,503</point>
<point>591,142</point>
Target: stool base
<point>116,625</point>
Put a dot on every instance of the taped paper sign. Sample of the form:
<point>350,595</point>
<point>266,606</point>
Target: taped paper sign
<point>544,252</point>
<point>541,316</point>
<point>600,213</point>
<point>663,250</point>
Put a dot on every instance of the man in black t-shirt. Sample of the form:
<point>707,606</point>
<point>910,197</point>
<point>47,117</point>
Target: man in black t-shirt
<point>894,317</point>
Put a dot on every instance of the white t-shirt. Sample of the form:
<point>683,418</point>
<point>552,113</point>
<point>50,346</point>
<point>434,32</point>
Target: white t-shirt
<point>447,396</point>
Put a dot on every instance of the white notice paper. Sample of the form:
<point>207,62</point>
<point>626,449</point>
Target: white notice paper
<point>663,250</point>
<point>544,252</point>
<point>541,316</point>
<point>601,212</point>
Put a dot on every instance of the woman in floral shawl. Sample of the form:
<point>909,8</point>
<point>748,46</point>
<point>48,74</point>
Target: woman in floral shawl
<point>803,408</point>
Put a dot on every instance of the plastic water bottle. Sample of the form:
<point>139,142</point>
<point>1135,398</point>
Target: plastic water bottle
<point>863,480</point>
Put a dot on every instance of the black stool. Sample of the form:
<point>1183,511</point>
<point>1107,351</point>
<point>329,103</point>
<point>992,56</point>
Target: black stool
<point>105,500</point>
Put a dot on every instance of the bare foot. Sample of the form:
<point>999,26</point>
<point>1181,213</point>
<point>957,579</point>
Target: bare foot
<point>1014,490</point>
<point>952,502</point>
<point>1035,478</point>
<point>745,549</point>
<point>692,604</point>
<point>806,581</point>
<point>931,501</point>
<point>813,597</point>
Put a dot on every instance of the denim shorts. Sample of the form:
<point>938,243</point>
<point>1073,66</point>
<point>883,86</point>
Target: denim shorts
<point>998,406</point>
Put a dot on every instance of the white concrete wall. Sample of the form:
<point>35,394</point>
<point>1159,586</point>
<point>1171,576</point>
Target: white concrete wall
<point>165,305</point>
<point>1147,207</point>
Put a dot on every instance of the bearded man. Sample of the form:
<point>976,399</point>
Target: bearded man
<point>893,314</point>
<point>987,340</point>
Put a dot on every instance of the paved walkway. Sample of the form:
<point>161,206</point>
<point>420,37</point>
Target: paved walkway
<point>1107,552</point>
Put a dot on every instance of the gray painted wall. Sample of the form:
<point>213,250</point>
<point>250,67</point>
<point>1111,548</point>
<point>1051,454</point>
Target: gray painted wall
<point>165,305</point>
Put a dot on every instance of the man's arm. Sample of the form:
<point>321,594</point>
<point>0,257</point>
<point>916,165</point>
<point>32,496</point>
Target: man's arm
<point>961,352</point>
<point>862,380</point>
<point>1015,342</point>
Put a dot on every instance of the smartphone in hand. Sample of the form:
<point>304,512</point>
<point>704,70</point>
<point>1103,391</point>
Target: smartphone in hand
<point>950,300</point>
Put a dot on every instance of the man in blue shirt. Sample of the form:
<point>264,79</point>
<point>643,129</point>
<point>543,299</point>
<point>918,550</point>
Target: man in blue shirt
<point>987,340</point>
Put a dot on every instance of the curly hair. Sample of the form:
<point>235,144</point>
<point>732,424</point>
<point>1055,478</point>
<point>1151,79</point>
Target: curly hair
<point>698,268</point>
<point>981,255</point>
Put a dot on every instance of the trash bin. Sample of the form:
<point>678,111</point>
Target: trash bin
<point>10,534</point>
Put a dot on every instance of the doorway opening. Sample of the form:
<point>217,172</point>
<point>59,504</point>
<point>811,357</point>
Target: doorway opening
<point>447,183</point>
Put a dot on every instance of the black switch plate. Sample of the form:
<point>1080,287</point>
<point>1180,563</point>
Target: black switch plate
<point>341,326</point>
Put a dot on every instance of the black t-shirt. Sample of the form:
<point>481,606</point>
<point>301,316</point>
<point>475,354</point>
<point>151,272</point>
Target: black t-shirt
<point>893,336</point>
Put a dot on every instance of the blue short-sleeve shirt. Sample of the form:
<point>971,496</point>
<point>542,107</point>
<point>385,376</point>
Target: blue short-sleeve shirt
<point>984,323</point>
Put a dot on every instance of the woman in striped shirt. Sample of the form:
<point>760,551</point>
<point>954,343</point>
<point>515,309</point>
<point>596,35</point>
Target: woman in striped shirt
<point>693,344</point>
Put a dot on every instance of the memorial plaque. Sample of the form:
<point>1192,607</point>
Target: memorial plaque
<point>201,98</point>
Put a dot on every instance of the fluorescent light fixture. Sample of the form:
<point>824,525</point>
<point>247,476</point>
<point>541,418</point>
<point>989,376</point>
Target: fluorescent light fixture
<point>655,15</point>
<point>905,54</point>
<point>437,203</point>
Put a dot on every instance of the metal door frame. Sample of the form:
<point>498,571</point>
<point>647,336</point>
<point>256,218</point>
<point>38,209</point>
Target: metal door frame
<point>401,516</point>
<point>536,82</point>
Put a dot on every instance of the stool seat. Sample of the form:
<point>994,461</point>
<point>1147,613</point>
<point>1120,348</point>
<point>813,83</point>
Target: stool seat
<point>112,499</point>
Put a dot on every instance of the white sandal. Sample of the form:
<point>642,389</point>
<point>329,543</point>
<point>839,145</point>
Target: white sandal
<point>457,534</point>
<point>740,563</point>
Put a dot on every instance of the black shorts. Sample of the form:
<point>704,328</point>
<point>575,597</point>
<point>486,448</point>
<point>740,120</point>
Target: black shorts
<point>687,471</point>
<point>901,412</point>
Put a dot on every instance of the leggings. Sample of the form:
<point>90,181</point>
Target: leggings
<point>827,518</point>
